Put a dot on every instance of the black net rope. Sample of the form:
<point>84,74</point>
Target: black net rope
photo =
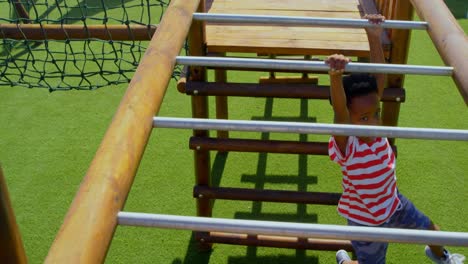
<point>86,63</point>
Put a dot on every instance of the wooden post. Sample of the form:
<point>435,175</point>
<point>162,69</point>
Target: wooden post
<point>11,246</point>
<point>449,39</point>
<point>400,40</point>
<point>90,223</point>
<point>221,101</point>
<point>197,47</point>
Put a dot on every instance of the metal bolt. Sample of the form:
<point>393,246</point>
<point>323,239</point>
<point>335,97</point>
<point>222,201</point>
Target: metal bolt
<point>200,195</point>
<point>202,240</point>
<point>197,147</point>
<point>398,99</point>
<point>195,91</point>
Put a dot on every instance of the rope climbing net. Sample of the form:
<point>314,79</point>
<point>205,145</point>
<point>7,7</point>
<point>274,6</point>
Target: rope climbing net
<point>74,44</point>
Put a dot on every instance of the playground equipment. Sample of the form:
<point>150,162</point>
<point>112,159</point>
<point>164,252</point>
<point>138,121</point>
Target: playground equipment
<point>94,214</point>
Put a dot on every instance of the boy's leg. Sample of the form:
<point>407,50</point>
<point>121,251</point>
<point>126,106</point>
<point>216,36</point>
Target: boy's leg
<point>368,252</point>
<point>438,251</point>
<point>408,216</point>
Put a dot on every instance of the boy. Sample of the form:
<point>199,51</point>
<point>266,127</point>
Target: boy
<point>370,195</point>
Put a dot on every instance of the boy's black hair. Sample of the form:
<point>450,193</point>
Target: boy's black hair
<point>358,84</point>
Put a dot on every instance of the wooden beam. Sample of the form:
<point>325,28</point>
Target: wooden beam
<point>222,111</point>
<point>12,250</point>
<point>279,196</point>
<point>202,164</point>
<point>90,223</point>
<point>398,54</point>
<point>278,90</point>
<point>449,39</point>
<point>278,242</point>
<point>257,145</point>
<point>65,32</point>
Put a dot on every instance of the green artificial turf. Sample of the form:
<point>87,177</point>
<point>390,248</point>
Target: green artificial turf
<point>47,141</point>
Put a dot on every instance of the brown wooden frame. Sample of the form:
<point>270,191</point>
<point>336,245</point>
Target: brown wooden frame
<point>64,32</point>
<point>90,223</point>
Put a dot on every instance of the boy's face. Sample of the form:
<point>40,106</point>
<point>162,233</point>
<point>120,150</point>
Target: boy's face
<point>365,110</point>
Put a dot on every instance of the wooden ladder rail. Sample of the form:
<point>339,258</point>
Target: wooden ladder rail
<point>90,223</point>
<point>197,47</point>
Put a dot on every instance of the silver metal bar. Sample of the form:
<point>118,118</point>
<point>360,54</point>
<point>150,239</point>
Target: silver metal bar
<point>303,65</point>
<point>294,229</point>
<point>305,21</point>
<point>310,128</point>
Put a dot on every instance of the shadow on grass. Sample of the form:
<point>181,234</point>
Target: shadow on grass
<point>281,259</point>
<point>459,8</point>
<point>259,179</point>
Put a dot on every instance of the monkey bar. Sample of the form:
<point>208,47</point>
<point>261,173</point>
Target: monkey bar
<point>310,128</point>
<point>305,21</point>
<point>275,64</point>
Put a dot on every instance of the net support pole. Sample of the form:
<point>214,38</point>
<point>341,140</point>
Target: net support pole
<point>89,225</point>
<point>311,128</point>
<point>275,64</point>
<point>448,37</point>
<point>299,230</point>
<point>11,245</point>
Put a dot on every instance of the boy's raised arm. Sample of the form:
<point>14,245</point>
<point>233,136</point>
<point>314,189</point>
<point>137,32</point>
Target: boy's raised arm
<point>374,35</point>
<point>337,64</point>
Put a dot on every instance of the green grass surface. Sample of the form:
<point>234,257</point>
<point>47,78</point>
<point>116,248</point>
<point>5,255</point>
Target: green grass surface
<point>47,141</point>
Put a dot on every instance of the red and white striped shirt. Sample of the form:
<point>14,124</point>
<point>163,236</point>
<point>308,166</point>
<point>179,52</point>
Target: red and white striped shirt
<point>369,181</point>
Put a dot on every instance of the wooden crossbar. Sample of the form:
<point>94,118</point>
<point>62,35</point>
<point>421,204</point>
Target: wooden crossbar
<point>64,32</point>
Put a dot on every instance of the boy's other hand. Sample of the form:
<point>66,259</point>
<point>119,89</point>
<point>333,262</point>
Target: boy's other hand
<point>337,63</point>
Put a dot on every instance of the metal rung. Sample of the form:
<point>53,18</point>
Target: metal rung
<point>311,128</point>
<point>305,21</point>
<point>273,64</point>
<point>301,230</point>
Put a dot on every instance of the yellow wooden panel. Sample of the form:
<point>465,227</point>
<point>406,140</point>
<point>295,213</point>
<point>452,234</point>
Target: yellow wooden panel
<point>276,12</point>
<point>259,45</point>
<point>337,5</point>
<point>286,39</point>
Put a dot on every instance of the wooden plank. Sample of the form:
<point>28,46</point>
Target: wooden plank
<point>289,46</point>
<point>90,223</point>
<point>303,13</point>
<point>281,33</point>
<point>284,30</point>
<point>278,242</point>
<point>337,5</point>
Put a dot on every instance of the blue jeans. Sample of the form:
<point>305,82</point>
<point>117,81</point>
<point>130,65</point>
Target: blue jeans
<point>406,216</point>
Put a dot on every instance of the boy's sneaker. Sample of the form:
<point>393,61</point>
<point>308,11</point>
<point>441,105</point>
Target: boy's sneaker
<point>342,256</point>
<point>448,259</point>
